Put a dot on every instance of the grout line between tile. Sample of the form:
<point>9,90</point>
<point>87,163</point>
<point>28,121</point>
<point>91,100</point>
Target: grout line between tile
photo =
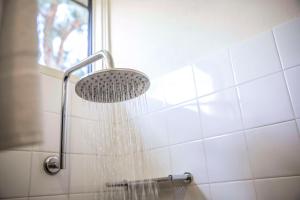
<point>203,147</point>
<point>243,123</point>
<point>219,136</point>
<point>30,174</point>
<point>208,94</point>
<point>286,83</point>
<point>255,179</point>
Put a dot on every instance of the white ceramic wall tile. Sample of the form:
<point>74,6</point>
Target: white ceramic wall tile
<point>220,113</point>
<point>160,162</point>
<point>51,93</point>
<point>183,123</point>
<point>199,192</point>
<point>44,184</point>
<point>241,190</point>
<point>179,86</point>
<point>287,37</point>
<point>57,197</point>
<point>166,194</point>
<point>25,198</point>
<point>83,173</point>
<point>278,188</point>
<point>274,150</point>
<point>83,136</point>
<point>265,101</point>
<point>189,157</point>
<point>155,95</point>
<point>88,196</point>
<point>255,57</point>
<point>227,158</point>
<point>213,73</point>
<point>51,133</point>
<point>14,173</point>
<point>293,81</point>
<point>153,129</point>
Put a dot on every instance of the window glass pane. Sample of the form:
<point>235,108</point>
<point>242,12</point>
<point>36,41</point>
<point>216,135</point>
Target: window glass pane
<point>63,33</point>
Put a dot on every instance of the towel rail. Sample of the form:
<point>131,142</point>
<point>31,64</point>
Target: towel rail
<point>184,179</point>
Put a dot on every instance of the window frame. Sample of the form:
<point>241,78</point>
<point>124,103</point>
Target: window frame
<point>90,29</point>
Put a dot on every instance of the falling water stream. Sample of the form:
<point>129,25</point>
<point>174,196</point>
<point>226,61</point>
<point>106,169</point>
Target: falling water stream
<point>121,155</point>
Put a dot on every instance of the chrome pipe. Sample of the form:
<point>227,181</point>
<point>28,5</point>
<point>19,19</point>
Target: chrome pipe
<point>108,62</point>
<point>185,178</point>
<point>53,164</point>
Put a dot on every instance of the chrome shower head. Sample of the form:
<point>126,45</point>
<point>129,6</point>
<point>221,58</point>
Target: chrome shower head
<point>112,85</point>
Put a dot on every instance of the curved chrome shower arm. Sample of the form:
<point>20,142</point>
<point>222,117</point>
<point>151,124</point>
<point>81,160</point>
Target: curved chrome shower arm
<point>53,164</point>
<point>105,55</point>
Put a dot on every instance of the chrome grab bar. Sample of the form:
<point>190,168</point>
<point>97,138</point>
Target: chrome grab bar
<point>184,179</point>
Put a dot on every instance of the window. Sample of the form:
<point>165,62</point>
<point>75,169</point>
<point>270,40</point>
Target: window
<point>63,31</point>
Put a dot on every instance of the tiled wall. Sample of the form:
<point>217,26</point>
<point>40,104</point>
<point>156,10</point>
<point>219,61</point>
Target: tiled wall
<point>232,119</point>
<point>21,171</point>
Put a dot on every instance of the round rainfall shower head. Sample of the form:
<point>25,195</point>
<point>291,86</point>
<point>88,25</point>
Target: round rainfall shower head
<point>112,85</point>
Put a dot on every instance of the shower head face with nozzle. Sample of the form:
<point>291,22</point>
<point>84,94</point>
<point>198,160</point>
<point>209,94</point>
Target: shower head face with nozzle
<point>112,85</point>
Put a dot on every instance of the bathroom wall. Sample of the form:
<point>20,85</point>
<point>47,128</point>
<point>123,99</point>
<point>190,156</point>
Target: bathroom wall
<point>232,119</point>
<point>160,36</point>
<point>230,115</point>
<point>21,172</point>
<point>224,96</point>
<point>222,99</point>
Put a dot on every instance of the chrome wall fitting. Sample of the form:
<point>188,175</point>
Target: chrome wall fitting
<point>51,165</point>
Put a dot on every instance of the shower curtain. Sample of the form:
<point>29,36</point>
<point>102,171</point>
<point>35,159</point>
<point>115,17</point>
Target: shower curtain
<point>20,95</point>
